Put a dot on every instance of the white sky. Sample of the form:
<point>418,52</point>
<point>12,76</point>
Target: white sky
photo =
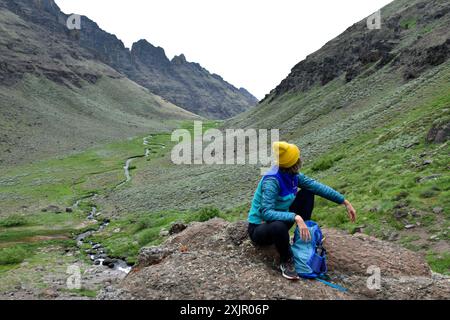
<point>251,43</point>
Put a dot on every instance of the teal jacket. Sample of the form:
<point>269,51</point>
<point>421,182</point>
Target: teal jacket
<point>268,205</point>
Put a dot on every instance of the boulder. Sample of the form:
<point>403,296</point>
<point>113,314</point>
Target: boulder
<point>216,260</point>
<point>151,256</point>
<point>439,133</point>
<point>177,228</point>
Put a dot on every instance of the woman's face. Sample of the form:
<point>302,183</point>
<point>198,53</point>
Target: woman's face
<point>295,169</point>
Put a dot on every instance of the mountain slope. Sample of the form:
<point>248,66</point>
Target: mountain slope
<point>185,84</point>
<point>381,138</point>
<point>56,98</point>
<point>371,111</point>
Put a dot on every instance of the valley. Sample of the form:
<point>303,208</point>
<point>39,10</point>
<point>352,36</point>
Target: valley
<point>87,181</point>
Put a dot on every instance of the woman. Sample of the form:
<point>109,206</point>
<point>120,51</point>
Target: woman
<point>278,204</point>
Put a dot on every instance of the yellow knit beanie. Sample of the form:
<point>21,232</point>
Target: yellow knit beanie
<point>286,154</point>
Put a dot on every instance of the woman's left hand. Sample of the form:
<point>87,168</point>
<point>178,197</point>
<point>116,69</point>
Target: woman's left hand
<point>350,210</point>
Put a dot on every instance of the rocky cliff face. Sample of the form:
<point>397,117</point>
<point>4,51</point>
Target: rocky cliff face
<point>185,84</point>
<point>57,96</point>
<point>216,260</point>
<point>361,52</point>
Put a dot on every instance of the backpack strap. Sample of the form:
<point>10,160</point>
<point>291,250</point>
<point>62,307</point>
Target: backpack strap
<point>332,285</point>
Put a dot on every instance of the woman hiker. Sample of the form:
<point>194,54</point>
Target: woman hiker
<point>278,204</point>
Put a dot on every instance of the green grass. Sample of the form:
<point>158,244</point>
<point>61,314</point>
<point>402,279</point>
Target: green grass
<point>83,292</point>
<point>61,181</point>
<point>143,229</point>
<point>42,224</point>
<point>13,221</point>
<point>13,255</point>
<point>378,173</point>
<point>326,163</point>
<point>439,262</point>
<point>409,23</point>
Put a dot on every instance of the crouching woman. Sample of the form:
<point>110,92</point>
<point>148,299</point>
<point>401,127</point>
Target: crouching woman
<point>278,204</point>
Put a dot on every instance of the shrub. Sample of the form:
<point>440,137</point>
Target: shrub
<point>143,223</point>
<point>147,236</point>
<point>13,255</point>
<point>13,221</point>
<point>430,193</point>
<point>206,214</point>
<point>325,163</point>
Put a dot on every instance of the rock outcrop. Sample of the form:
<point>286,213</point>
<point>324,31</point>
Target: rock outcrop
<point>439,133</point>
<point>216,260</point>
<point>412,39</point>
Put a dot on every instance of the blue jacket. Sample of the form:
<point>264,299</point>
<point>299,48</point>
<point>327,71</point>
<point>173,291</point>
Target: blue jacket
<point>271,202</point>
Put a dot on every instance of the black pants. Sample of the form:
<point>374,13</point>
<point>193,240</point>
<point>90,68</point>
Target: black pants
<point>277,232</point>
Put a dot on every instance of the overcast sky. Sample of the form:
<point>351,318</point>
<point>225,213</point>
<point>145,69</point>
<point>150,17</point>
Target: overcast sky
<point>251,43</point>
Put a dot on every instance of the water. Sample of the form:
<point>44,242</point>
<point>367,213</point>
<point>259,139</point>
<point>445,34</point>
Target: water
<point>96,252</point>
<point>127,169</point>
<point>92,214</point>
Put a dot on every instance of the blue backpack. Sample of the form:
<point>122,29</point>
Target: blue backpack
<point>310,258</point>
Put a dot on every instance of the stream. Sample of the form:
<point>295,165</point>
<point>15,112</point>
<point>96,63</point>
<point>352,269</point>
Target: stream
<point>96,252</point>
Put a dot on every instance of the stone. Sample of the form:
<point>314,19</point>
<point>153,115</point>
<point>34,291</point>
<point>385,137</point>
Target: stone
<point>393,236</point>
<point>152,255</point>
<point>400,213</point>
<point>164,273</point>
<point>434,237</point>
<point>428,178</point>
<point>108,262</point>
<point>439,133</point>
<point>359,229</point>
<point>415,213</point>
<point>163,233</point>
<point>438,210</point>
<point>238,232</point>
<point>177,228</point>
<point>410,226</point>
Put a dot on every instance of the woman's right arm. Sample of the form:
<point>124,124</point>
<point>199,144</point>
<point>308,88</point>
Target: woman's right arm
<point>270,190</point>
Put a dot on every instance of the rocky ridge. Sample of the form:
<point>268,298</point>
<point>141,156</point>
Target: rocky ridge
<point>183,83</point>
<point>216,260</point>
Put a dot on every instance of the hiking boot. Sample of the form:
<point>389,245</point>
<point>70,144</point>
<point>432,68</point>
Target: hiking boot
<point>288,270</point>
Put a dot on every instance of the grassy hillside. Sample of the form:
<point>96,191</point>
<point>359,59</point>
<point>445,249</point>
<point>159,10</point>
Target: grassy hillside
<point>51,49</point>
<point>40,118</point>
<point>55,97</point>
